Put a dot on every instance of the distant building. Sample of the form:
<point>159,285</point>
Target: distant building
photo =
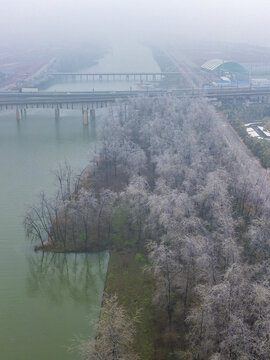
<point>260,82</point>
<point>224,68</point>
<point>223,65</point>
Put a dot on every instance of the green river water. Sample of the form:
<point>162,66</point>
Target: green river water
<point>47,300</point>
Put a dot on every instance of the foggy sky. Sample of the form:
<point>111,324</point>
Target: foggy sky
<point>61,21</point>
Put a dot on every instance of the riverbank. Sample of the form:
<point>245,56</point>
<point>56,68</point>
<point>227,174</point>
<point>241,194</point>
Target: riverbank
<point>168,198</point>
<point>134,286</point>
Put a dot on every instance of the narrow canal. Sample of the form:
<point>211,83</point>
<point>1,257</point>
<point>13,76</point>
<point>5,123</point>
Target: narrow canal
<point>46,300</point>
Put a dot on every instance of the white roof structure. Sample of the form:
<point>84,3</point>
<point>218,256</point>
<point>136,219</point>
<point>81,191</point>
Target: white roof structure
<point>213,64</point>
<point>225,78</point>
<point>251,132</point>
<point>267,133</point>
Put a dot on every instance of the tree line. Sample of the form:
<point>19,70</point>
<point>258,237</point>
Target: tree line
<point>168,180</point>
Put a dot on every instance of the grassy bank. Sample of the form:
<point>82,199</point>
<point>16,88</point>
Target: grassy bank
<point>239,114</point>
<point>134,287</point>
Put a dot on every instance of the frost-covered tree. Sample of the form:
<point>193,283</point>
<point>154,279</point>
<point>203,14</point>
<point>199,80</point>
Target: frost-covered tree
<point>115,334</point>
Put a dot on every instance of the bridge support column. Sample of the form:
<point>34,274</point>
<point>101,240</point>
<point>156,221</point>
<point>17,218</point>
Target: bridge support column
<point>93,116</point>
<point>18,115</point>
<point>57,113</point>
<point>23,113</point>
<point>85,115</point>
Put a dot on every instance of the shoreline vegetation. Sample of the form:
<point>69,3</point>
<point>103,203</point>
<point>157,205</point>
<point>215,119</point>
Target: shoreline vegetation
<point>241,113</point>
<point>185,216</point>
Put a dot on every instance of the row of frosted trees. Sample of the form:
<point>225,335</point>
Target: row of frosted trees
<point>173,178</point>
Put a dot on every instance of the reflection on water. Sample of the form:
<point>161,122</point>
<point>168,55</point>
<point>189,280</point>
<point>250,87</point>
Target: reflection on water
<point>67,276</point>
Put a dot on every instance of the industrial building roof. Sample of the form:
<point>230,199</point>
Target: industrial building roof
<point>212,64</point>
<point>231,66</point>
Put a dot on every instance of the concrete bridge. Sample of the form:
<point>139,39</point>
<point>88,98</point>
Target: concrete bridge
<point>120,76</point>
<point>89,101</point>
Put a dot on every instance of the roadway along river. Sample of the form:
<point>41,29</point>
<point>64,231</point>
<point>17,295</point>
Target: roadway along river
<point>46,300</point>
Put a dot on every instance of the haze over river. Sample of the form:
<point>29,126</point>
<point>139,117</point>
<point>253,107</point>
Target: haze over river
<point>46,300</point>
<point>121,57</point>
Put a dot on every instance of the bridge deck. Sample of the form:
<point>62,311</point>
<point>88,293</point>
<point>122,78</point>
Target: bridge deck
<point>43,97</point>
<point>114,73</point>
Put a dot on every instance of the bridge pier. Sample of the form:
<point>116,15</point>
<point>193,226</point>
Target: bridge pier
<point>85,114</point>
<point>18,114</point>
<point>23,113</point>
<point>57,113</point>
<point>93,116</point>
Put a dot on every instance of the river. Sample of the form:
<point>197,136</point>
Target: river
<point>123,56</point>
<point>47,300</point>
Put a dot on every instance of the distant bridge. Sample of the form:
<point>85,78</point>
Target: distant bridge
<point>92,100</point>
<point>111,76</point>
